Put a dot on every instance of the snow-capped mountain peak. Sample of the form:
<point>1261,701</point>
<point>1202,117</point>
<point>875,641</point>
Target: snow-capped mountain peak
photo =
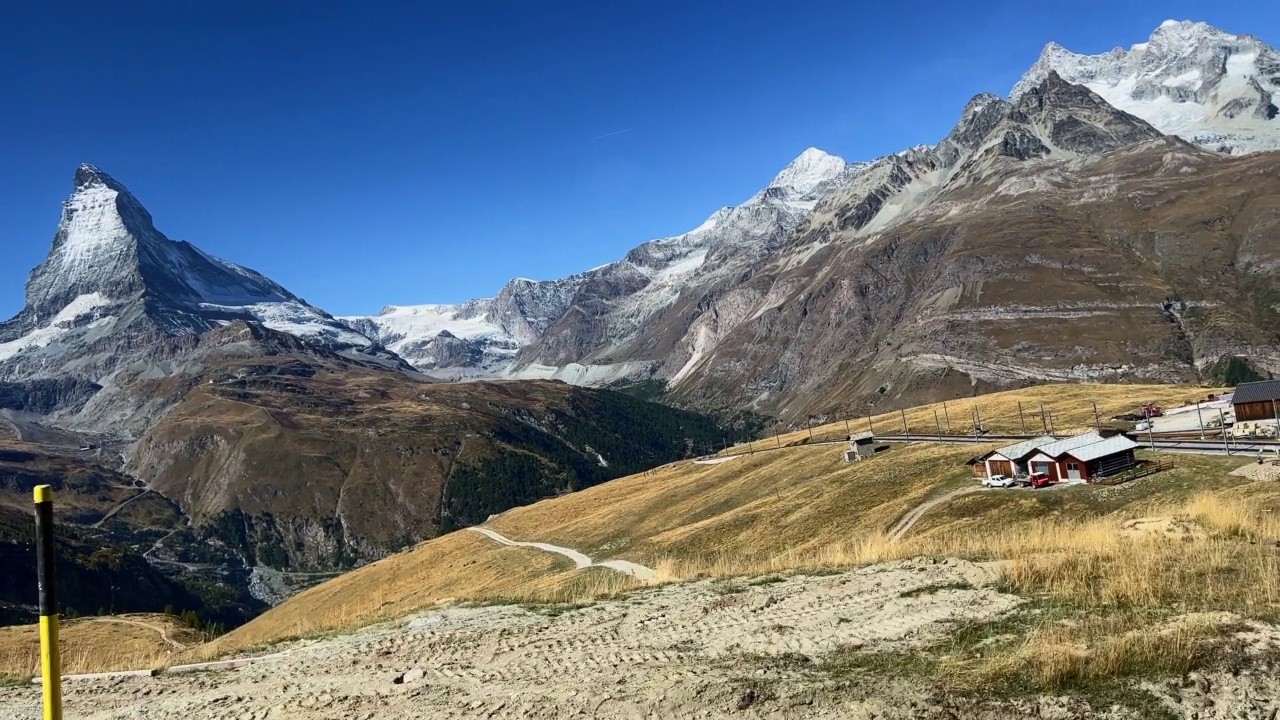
<point>808,171</point>
<point>112,279</point>
<point>1189,78</point>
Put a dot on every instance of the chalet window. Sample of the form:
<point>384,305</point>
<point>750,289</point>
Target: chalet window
<point>1072,466</point>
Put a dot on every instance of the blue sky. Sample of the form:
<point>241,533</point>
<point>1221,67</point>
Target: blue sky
<point>378,153</point>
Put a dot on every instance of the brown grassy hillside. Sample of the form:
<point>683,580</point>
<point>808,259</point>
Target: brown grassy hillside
<point>122,642</point>
<point>798,507</point>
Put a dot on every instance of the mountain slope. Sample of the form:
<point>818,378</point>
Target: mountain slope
<point>626,319</point>
<point>297,457</point>
<point>1210,87</point>
<point>112,284</point>
<point>1151,263</point>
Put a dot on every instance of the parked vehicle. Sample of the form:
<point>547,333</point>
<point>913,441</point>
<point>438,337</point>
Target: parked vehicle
<point>998,481</point>
<point>1040,480</point>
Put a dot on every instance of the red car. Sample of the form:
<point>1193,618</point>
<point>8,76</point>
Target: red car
<point>1040,480</point>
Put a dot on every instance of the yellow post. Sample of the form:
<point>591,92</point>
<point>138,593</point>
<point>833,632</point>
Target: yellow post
<point>50,664</point>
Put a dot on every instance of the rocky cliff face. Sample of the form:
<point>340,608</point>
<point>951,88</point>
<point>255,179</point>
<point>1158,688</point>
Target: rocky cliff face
<point>1210,87</point>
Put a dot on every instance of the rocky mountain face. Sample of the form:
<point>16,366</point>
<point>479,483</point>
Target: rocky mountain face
<point>113,285</point>
<point>627,319</point>
<point>476,339</point>
<point>1210,87</point>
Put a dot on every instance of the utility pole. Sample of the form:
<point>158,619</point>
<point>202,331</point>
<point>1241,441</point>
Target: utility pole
<point>1043,422</point>
<point>1222,419</point>
<point>1021,418</point>
<point>946,415</point>
<point>1200,419</point>
<point>977,419</point>
<point>906,429</point>
<point>973,417</point>
<point>871,427</point>
<point>807,420</point>
<point>1151,438</point>
<point>1096,419</point>
<point>847,431</point>
<point>938,423</point>
<point>776,439</point>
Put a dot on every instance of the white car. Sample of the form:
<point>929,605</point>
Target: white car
<point>998,481</point>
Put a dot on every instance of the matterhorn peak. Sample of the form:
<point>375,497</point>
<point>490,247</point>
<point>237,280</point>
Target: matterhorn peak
<point>88,174</point>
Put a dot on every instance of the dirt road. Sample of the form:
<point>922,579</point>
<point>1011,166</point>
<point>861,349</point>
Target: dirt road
<point>913,516</point>
<point>707,649</point>
<point>579,560</point>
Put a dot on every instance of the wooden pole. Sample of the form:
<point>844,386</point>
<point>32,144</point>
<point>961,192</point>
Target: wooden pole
<point>938,423</point>
<point>905,429</point>
<point>1021,418</point>
<point>1043,422</point>
<point>1097,420</point>
<point>1200,419</point>
<point>1222,419</point>
<point>946,415</point>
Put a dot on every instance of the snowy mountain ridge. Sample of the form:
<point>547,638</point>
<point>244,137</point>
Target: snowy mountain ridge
<point>622,296</point>
<point>1190,79</point>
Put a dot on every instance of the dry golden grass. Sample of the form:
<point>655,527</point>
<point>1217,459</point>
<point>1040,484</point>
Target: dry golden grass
<point>88,645</point>
<point>1055,656</point>
<point>1068,409</point>
<point>762,505</point>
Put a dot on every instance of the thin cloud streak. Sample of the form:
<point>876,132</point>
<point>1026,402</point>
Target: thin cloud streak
<point>607,135</point>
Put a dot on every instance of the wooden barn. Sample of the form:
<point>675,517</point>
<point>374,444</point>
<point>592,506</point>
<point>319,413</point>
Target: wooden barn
<point>1256,400</point>
<point>1008,460</point>
<point>1083,457</point>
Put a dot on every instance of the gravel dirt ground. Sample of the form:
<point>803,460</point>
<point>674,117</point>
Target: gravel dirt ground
<point>671,652</point>
<point>710,649</point>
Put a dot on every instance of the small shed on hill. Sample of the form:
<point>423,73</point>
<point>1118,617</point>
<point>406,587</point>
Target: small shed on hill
<point>861,446</point>
<point>1256,400</point>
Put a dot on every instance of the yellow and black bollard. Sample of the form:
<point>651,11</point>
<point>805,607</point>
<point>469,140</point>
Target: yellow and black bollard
<point>50,664</point>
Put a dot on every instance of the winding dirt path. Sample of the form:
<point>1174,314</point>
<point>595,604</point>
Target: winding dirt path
<point>913,516</point>
<point>579,560</point>
<point>164,634</point>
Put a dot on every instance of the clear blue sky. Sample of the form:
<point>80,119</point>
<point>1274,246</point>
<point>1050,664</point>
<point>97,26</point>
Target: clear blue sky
<point>372,153</point>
